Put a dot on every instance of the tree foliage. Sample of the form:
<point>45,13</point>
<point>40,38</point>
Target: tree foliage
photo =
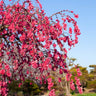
<point>32,43</point>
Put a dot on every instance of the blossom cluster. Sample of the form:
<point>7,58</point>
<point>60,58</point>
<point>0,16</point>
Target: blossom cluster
<point>29,42</point>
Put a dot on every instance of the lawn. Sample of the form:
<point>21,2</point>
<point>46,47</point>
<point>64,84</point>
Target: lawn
<point>87,94</point>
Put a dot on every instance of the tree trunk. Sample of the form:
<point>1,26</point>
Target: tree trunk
<point>67,86</point>
<point>67,89</point>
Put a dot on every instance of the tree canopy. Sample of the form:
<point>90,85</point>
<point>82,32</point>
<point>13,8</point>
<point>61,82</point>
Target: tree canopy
<point>29,42</point>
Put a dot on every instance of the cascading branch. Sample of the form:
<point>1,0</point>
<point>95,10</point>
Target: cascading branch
<point>32,44</point>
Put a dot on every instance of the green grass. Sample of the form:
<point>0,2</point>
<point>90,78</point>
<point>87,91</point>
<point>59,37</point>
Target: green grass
<point>87,94</point>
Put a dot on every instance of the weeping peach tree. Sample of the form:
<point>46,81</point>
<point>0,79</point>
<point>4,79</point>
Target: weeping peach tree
<point>32,44</point>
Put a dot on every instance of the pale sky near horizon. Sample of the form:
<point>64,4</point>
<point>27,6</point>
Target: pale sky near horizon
<point>85,50</point>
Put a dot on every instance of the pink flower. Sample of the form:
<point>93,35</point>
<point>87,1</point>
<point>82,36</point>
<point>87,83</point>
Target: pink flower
<point>12,24</point>
<point>72,85</point>
<point>22,37</point>
<point>79,72</point>
<point>49,79</point>
<point>0,53</point>
<point>54,45</point>
<point>50,84</point>
<point>4,90</point>
<point>65,56</point>
<point>30,83</point>
<point>76,16</point>
<point>77,81</point>
<point>12,38</point>
<point>50,66</point>
<point>8,53</point>
<point>0,65</point>
<point>44,81</point>
<point>59,79</point>
<point>1,45</point>
<point>71,11</point>
<point>80,90</point>
<point>27,72</point>
<point>4,83</point>
<point>68,76</point>
<point>70,30</point>
<point>52,92</point>
<point>2,71</point>
<point>40,54</point>
<point>9,82</point>
<point>19,85</point>
<point>8,74</point>
<point>61,71</point>
<point>34,64</point>
<point>7,67</point>
<point>65,26</point>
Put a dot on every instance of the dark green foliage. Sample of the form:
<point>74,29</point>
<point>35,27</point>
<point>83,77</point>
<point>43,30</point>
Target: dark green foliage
<point>93,71</point>
<point>72,92</point>
<point>91,84</point>
<point>28,87</point>
<point>13,87</point>
<point>44,86</point>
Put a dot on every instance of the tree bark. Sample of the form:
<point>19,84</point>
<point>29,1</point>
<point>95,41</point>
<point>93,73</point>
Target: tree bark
<point>67,85</point>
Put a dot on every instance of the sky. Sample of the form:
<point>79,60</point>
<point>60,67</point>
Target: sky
<point>85,50</point>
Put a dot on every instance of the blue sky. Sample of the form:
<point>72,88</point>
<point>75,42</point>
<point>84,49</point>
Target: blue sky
<point>85,50</point>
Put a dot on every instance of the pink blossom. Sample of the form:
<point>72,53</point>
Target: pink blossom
<point>7,67</point>
<point>22,37</point>
<point>65,26</point>
<point>79,72</point>
<point>30,83</point>
<point>68,76</point>
<point>27,72</point>
<point>54,45</point>
<point>2,71</point>
<point>72,85</point>
<point>0,65</point>
<point>80,90</point>
<point>70,30</point>
<point>12,38</point>
<point>50,84</point>
<point>52,92</point>
<point>19,85</point>
<point>59,79</point>
<point>8,74</point>
<point>76,16</point>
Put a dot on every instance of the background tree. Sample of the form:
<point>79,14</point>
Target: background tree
<point>93,71</point>
<point>92,78</point>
